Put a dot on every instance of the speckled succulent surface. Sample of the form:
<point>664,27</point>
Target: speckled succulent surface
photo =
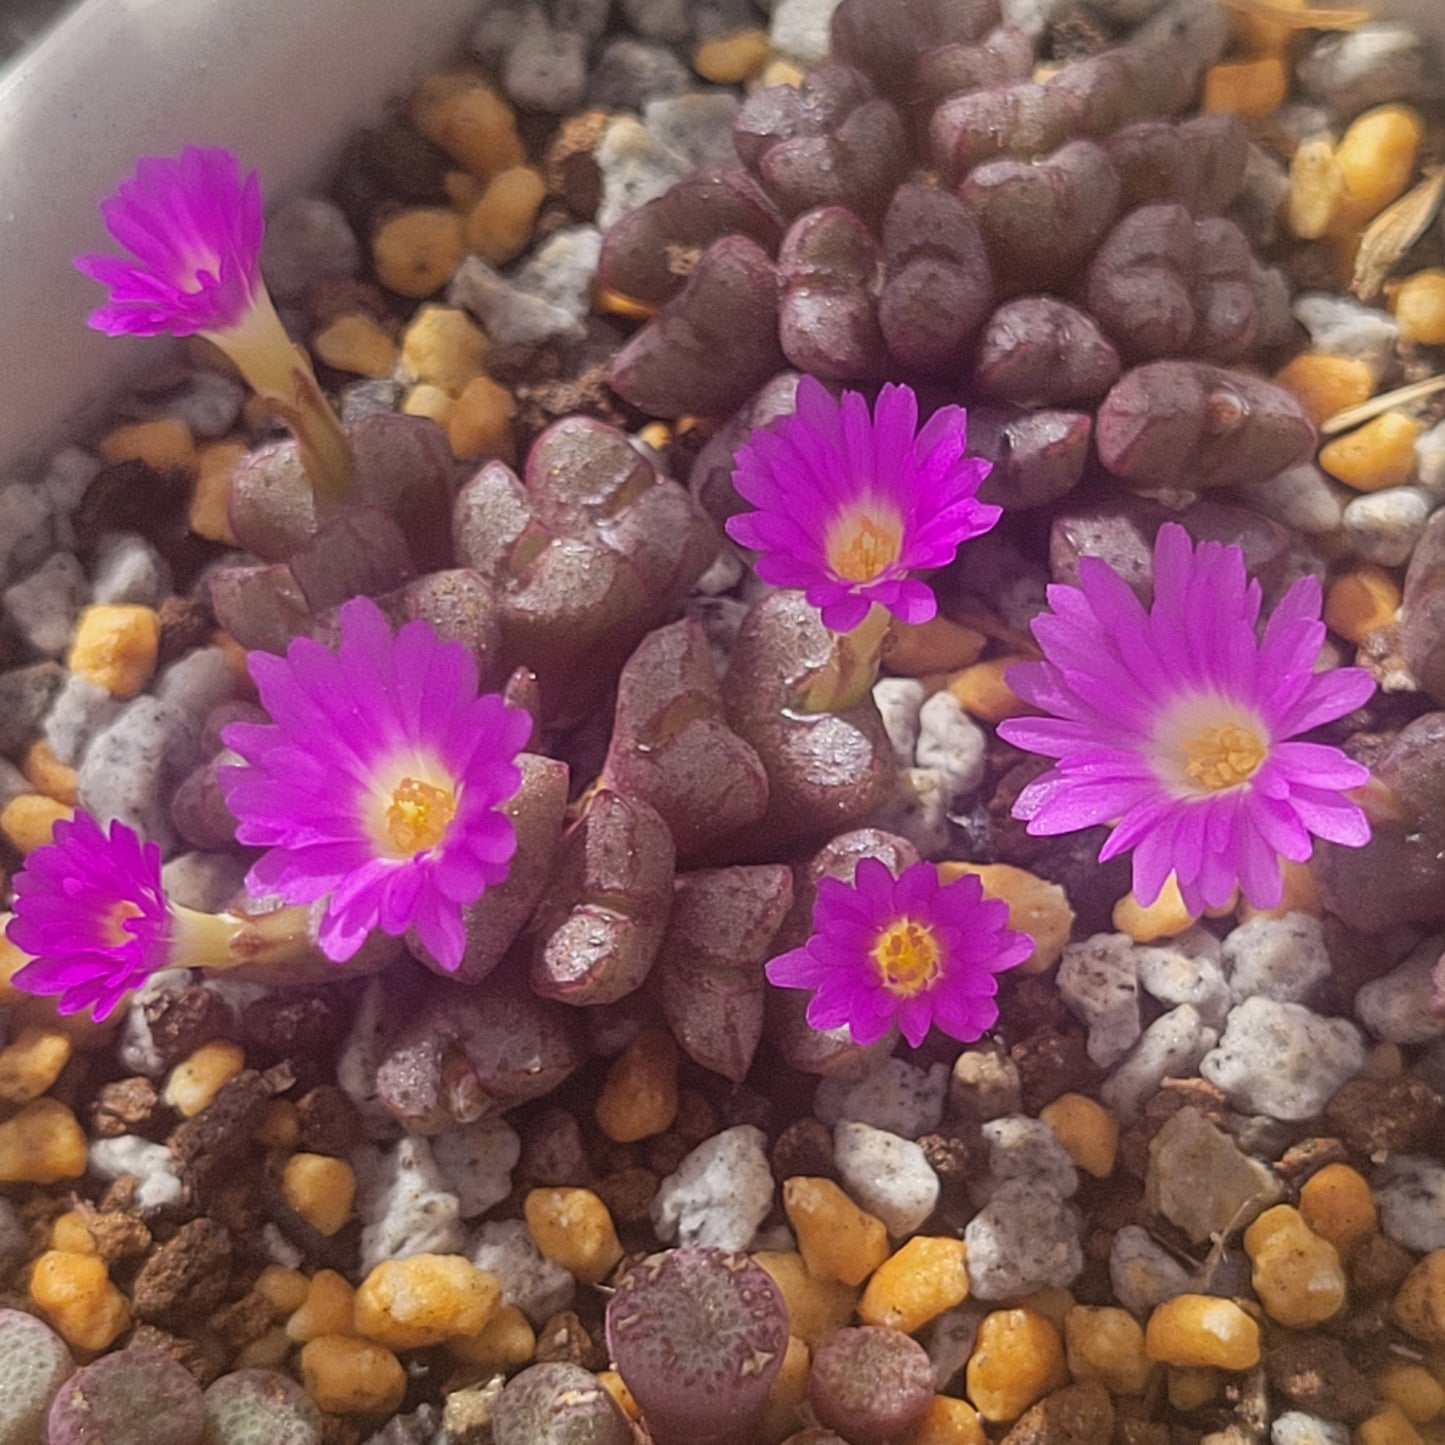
<point>587,1171</point>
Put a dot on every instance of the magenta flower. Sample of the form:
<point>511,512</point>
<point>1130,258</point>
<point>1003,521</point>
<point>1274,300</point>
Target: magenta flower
<point>909,950</point>
<point>849,505</point>
<point>194,227</point>
<point>90,911</point>
<point>1176,725</point>
<point>378,783</point>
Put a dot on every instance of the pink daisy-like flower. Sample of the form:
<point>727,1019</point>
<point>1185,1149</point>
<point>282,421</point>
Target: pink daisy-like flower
<point>377,782</point>
<point>194,227</point>
<point>909,950</point>
<point>1176,725</point>
<point>90,911</point>
<point>849,505</point>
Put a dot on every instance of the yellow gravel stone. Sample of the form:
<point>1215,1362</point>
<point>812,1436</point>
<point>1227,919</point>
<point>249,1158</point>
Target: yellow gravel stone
<point>1337,1204</point>
<point>328,1308</point>
<point>77,1295</point>
<point>927,1275</point>
<point>639,1095</point>
<point>416,250</point>
<point>1035,907</point>
<point>356,343</point>
<point>734,58</point>
<point>1245,87</point>
<point>939,645</point>
<point>500,223</point>
<point>1165,917</point>
<point>1324,384</point>
<point>783,1414</point>
<point>1410,1386</point>
<point>1418,302</point>
<point>421,1300</point>
<point>480,424</point>
<point>1086,1129</point>
<point>165,444</point>
<point>1360,601</point>
<point>817,1307</point>
<point>42,1144</point>
<point>983,691</point>
<point>949,1421</point>
<point>1191,1387</point>
<point>1204,1330</point>
<point>836,1239</point>
<point>1316,187</point>
<point>1387,1426</point>
<point>1419,1304</point>
<point>1017,1359</point>
<point>47,774</point>
<point>29,819</point>
<point>1377,155</point>
<point>115,647</point>
<point>1379,454</point>
<point>206,515</point>
<point>1107,1344</point>
<point>70,1234</point>
<point>31,1062</point>
<point>427,400</point>
<point>1053,1303</point>
<point>267,1353</point>
<point>572,1227</point>
<point>444,346</point>
<point>506,1342</point>
<point>1297,1274</point>
<point>283,1289</point>
<point>346,1376</point>
<point>470,121</point>
<point>320,1189</point>
<point>195,1081</point>
<point>781,72</point>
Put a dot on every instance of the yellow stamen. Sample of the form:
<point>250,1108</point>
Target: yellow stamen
<point>418,816</point>
<point>907,957</point>
<point>861,545</point>
<point>115,930</point>
<point>1222,757</point>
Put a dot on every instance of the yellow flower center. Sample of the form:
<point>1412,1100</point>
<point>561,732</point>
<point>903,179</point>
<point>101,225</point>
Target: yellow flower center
<point>1222,756</point>
<point>418,815</point>
<point>861,544</point>
<point>907,957</point>
<point>113,929</point>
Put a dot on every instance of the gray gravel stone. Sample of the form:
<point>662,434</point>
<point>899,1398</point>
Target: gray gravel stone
<point>1383,527</point>
<point>1367,66</point>
<point>628,73</point>
<point>70,472</point>
<point>918,811</point>
<point>123,774</point>
<point>697,125</point>
<point>530,1282</point>
<point>1143,1273</point>
<point>1021,1148</point>
<point>951,742</point>
<point>79,711</point>
<point>207,882</point>
<point>1396,1006</point>
<point>307,238</point>
<point>897,1096</point>
<point>1347,328</point>
<point>27,533</point>
<point>668,21</point>
<point>128,570</point>
<point>636,168</point>
<point>800,29</point>
<point>477,1162</point>
<point>1200,1180</point>
<point>1282,1060</point>
<point>546,68</point>
<point>985,1084</point>
<point>1410,1195</point>
<point>1098,979</point>
<point>1187,969</point>
<point>1302,498</point>
<point>1170,1048</point>
<point>27,694</point>
<point>44,605</point>
<point>1022,1240</point>
<point>403,1203</point>
<point>719,1194</point>
<point>1295,1427</point>
<point>1280,958</point>
<point>885,1174</point>
<point>207,401</point>
<point>898,700</point>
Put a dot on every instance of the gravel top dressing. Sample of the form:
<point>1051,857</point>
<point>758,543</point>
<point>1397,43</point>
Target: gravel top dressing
<point>749,747</point>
